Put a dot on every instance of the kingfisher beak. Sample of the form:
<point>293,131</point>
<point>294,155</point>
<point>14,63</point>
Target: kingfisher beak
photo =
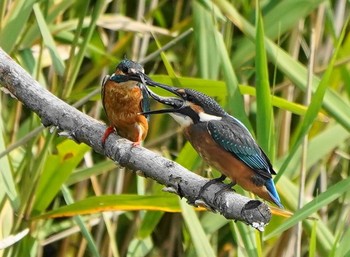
<point>144,79</point>
<point>176,103</point>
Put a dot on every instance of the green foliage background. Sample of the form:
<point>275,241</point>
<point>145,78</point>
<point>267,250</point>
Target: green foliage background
<point>251,56</point>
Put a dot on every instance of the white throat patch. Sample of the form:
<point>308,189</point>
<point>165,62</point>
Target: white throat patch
<point>186,121</point>
<point>207,117</point>
<point>183,120</point>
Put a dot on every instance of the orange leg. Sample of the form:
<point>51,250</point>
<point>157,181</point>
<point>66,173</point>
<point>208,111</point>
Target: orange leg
<point>108,131</point>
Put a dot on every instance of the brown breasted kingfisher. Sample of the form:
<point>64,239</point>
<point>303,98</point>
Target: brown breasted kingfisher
<point>123,100</point>
<point>220,139</point>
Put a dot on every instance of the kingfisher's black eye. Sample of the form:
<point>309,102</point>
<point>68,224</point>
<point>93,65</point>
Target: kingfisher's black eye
<point>125,69</point>
<point>189,98</point>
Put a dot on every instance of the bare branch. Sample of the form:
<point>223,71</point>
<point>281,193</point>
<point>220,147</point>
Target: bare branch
<point>82,128</point>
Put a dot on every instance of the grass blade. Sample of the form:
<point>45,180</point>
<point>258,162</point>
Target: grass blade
<point>48,41</point>
<point>312,249</point>
<point>332,193</point>
<point>296,72</point>
<point>83,228</point>
<point>58,168</point>
<point>198,236</point>
<point>7,181</point>
<point>207,58</point>
<point>264,120</point>
<point>122,202</point>
<point>14,24</point>
<point>278,19</point>
<point>315,105</point>
<point>78,58</point>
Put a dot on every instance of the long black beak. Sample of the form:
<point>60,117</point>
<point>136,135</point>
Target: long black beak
<point>176,103</point>
<point>144,79</point>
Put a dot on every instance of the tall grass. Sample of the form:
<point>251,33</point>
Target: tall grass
<point>252,59</point>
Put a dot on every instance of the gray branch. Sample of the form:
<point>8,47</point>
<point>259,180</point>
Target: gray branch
<point>82,128</point>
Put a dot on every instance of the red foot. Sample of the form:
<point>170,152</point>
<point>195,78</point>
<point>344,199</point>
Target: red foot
<point>108,131</point>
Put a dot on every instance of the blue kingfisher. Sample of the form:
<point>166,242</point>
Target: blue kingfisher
<point>219,138</point>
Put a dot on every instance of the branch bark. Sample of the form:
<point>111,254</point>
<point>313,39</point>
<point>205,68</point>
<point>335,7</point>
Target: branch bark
<point>82,128</point>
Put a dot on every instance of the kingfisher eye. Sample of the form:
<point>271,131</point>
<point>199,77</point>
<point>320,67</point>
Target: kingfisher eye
<point>125,69</point>
<point>189,98</point>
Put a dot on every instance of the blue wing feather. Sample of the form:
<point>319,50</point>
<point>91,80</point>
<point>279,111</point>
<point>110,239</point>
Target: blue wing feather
<point>234,137</point>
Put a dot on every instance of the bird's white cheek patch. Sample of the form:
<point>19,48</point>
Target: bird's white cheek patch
<point>203,117</point>
<point>133,71</point>
<point>183,120</point>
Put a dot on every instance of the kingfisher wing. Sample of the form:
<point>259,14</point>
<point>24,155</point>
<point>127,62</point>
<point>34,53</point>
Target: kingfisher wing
<point>234,137</point>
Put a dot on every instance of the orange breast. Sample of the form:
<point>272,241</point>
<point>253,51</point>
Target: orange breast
<point>122,103</point>
<point>224,161</point>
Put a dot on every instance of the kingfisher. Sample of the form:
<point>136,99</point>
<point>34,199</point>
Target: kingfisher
<point>123,100</point>
<point>220,139</point>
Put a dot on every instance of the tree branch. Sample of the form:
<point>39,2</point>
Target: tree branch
<point>82,128</point>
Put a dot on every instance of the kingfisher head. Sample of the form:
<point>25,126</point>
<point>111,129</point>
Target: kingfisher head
<point>127,70</point>
<point>189,107</point>
<point>128,67</point>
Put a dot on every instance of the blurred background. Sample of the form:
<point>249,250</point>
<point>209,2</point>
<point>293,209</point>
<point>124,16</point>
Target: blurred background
<point>269,63</point>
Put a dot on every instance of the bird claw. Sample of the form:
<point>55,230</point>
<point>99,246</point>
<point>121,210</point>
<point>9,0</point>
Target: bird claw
<point>227,187</point>
<point>199,200</point>
<point>209,183</point>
